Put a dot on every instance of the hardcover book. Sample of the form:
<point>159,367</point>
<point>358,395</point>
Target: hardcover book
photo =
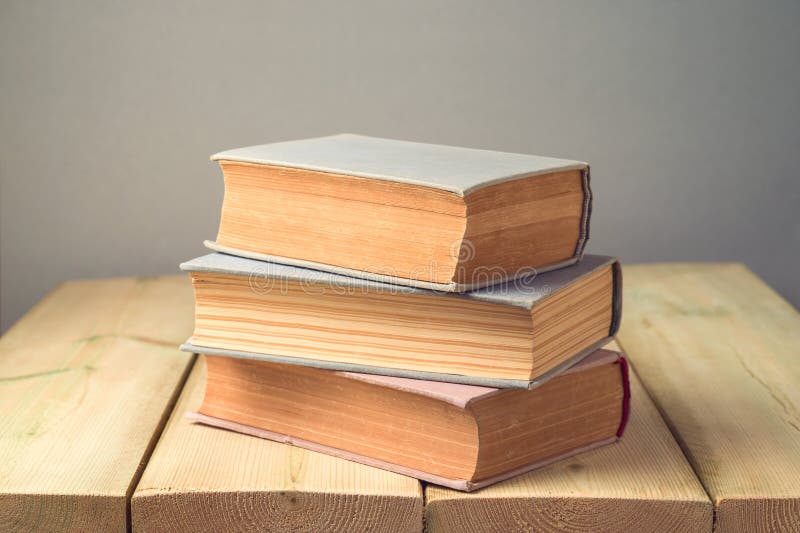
<point>460,436</point>
<point>424,215</point>
<point>514,334</point>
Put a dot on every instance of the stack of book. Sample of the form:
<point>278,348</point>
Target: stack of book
<point>420,308</point>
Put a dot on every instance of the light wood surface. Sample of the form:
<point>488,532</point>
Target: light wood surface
<point>719,352</point>
<point>206,479</point>
<point>87,378</point>
<point>641,483</point>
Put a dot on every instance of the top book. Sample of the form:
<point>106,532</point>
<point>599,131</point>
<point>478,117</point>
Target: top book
<point>423,215</point>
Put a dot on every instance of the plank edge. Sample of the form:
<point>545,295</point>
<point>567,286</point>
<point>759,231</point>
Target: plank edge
<point>151,508</point>
<point>684,515</point>
<point>75,512</point>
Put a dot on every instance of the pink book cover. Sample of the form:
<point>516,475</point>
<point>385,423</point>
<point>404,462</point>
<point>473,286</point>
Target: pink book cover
<point>457,394</point>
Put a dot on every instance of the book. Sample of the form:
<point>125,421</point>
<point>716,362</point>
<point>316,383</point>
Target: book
<point>515,334</point>
<point>460,436</point>
<point>424,215</point>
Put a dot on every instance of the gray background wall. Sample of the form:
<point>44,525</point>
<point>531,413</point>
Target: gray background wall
<point>688,112</point>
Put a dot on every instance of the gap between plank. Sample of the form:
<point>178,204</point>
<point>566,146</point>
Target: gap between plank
<point>151,446</point>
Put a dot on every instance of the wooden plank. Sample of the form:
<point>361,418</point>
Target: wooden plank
<point>641,483</point>
<point>206,479</point>
<point>719,352</point>
<point>87,378</point>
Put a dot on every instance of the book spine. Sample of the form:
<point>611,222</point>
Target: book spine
<point>586,215</point>
<point>616,298</point>
<point>626,396</point>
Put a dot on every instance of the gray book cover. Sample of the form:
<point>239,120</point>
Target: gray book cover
<point>449,168</point>
<point>524,292</point>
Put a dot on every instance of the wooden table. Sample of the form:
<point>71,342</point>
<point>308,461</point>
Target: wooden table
<point>93,394</point>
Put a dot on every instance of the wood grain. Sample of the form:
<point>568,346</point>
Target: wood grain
<point>720,353</point>
<point>206,479</point>
<point>87,378</point>
<point>641,483</point>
